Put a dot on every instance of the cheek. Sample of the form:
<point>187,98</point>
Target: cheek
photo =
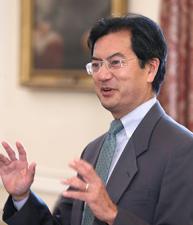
<point>127,83</point>
<point>128,91</point>
<point>96,86</point>
<point>130,87</point>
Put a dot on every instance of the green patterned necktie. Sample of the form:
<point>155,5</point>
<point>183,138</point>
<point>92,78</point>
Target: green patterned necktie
<point>104,163</point>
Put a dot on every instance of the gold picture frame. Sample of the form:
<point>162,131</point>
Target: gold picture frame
<point>40,74</point>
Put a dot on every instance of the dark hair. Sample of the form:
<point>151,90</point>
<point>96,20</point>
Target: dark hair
<point>147,40</point>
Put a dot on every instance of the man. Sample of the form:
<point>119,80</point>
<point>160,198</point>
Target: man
<point>150,177</point>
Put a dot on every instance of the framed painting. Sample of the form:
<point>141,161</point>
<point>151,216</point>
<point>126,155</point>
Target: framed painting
<point>54,40</point>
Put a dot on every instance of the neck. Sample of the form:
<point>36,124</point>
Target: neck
<point>122,113</point>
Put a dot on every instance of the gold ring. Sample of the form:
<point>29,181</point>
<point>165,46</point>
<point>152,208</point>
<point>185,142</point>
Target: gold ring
<point>86,188</point>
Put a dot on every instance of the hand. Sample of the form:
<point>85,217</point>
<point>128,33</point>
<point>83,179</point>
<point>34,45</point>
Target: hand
<point>91,190</point>
<point>16,175</point>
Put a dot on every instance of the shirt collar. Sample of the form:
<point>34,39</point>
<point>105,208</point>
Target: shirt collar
<point>133,118</point>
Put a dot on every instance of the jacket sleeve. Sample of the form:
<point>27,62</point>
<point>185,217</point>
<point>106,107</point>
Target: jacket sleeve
<point>35,212</point>
<point>175,204</point>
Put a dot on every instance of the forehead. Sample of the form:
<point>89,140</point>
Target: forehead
<point>112,43</point>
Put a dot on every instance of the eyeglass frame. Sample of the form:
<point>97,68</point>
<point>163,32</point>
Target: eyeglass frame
<point>108,63</point>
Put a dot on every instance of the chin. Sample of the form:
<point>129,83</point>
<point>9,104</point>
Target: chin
<point>108,106</point>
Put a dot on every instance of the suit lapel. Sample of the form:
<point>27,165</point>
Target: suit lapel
<point>126,168</point>
<point>142,135</point>
<point>123,173</point>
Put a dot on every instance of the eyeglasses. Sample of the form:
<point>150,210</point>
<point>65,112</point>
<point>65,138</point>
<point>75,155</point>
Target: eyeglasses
<point>112,64</point>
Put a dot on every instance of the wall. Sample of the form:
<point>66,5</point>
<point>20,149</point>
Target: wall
<point>54,125</point>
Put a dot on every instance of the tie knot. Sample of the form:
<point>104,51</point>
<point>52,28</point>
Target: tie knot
<point>116,126</point>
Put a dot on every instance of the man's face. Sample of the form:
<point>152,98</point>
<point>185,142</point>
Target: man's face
<point>120,90</point>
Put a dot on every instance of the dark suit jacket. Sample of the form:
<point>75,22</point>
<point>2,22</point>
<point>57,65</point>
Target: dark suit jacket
<point>152,182</point>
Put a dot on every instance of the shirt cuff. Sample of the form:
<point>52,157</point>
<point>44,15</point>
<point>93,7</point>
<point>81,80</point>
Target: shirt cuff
<point>19,204</point>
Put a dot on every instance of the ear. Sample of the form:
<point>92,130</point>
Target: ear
<point>153,66</point>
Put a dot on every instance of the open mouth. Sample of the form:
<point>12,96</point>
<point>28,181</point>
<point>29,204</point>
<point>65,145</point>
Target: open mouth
<point>106,91</point>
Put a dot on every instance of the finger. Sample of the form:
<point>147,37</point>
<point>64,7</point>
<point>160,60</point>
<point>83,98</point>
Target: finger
<point>21,151</point>
<point>3,163</point>
<point>78,195</point>
<point>85,170</point>
<point>4,160</point>
<point>9,150</point>
<point>76,183</point>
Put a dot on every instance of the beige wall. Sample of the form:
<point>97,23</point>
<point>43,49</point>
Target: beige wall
<point>53,125</point>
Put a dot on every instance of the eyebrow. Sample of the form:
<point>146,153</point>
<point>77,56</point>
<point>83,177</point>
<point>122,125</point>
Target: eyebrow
<point>109,57</point>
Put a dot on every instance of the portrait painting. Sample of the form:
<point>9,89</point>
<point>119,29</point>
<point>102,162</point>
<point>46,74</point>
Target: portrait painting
<point>54,36</point>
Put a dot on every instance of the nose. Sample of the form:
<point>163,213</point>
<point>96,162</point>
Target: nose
<point>104,72</point>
